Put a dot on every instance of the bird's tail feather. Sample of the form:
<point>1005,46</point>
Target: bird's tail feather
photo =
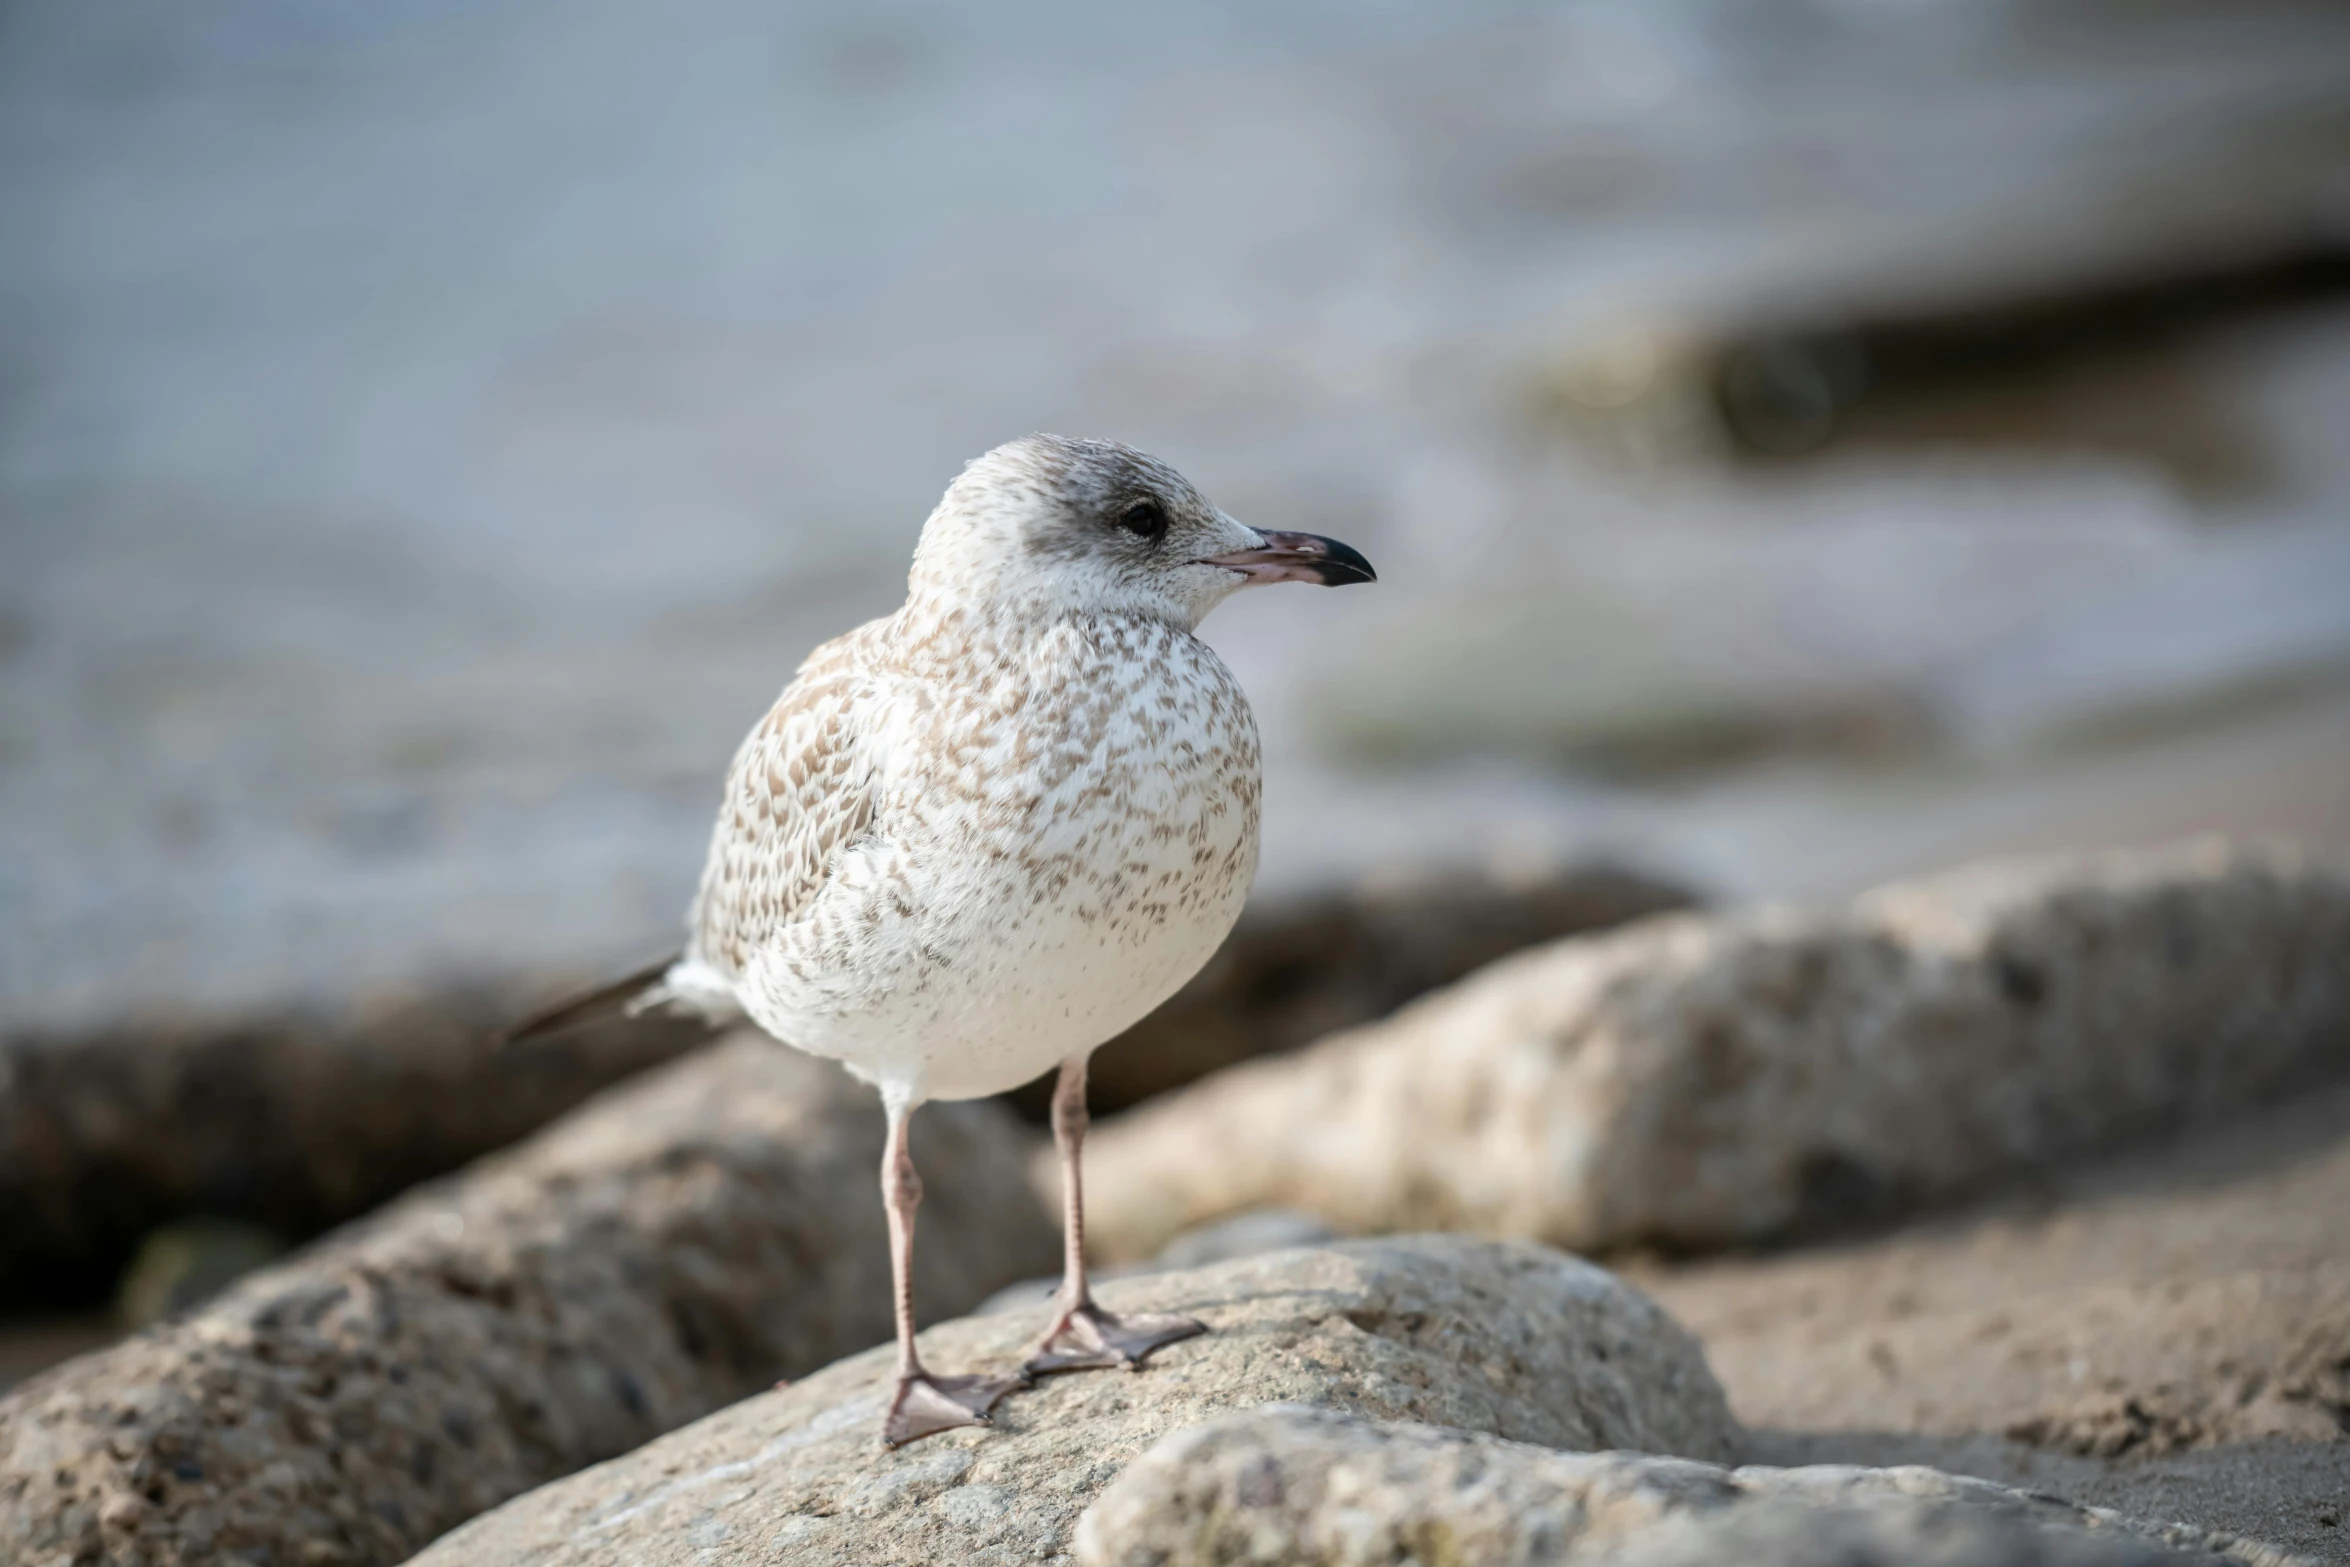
<point>625,997</point>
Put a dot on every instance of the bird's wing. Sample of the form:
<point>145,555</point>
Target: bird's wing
<point>801,789</point>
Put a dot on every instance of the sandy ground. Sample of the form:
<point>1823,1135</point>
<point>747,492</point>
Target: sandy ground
<point>2167,1334</point>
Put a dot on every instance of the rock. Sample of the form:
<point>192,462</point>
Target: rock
<point>1700,1081</point>
<point>1295,969</point>
<point>1243,1235</point>
<point>1511,1339</point>
<point>1313,1488</point>
<point>668,1248</point>
<point>294,1123</point>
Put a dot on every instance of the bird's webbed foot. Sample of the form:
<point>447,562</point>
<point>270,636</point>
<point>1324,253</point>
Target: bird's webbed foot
<point>1086,1338</point>
<point>925,1404</point>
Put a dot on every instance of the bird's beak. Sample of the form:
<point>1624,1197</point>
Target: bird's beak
<point>1297,557</point>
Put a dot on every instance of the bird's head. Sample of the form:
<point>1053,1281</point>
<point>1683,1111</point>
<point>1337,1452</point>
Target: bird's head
<point>1096,527</point>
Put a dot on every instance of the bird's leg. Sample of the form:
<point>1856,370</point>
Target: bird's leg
<point>923,1403</point>
<point>1084,1336</point>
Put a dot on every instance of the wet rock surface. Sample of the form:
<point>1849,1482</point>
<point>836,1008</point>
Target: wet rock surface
<point>296,1123</point>
<point>668,1248</point>
<point>1702,1081</point>
<point>1510,1339</point>
<point>1310,1488</point>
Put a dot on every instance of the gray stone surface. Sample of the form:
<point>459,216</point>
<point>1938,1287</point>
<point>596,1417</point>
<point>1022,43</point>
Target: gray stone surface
<point>295,1121</point>
<point>1511,1339</point>
<point>1296,967</point>
<point>1311,1488</point>
<point>668,1248</point>
<point>1242,1235</point>
<point>1700,1081</point>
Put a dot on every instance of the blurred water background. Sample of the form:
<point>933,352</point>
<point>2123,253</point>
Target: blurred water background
<point>1801,442</point>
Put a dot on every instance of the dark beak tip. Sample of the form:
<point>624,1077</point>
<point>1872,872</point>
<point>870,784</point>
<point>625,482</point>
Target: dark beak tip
<point>1345,566</point>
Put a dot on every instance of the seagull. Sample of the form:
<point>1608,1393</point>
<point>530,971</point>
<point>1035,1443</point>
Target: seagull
<point>978,837</point>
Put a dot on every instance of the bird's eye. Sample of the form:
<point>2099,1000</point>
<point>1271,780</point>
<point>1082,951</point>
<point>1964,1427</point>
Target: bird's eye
<point>1145,519</point>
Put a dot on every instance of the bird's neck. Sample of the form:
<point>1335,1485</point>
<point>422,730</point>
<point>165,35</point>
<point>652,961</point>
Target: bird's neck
<point>937,626</point>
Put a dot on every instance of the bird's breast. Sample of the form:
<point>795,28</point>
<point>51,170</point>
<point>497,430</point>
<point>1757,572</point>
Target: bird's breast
<point>1111,775</point>
<point>1066,833</point>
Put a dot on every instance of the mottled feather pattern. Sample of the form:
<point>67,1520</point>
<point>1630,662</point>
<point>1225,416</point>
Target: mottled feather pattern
<point>800,790</point>
<point>923,866</point>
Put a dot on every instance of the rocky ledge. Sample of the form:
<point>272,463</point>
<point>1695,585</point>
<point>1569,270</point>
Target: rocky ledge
<point>1304,1487</point>
<point>1299,967</point>
<point>1699,1081</point>
<point>1513,1340</point>
<point>294,1122</point>
<point>668,1248</point>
